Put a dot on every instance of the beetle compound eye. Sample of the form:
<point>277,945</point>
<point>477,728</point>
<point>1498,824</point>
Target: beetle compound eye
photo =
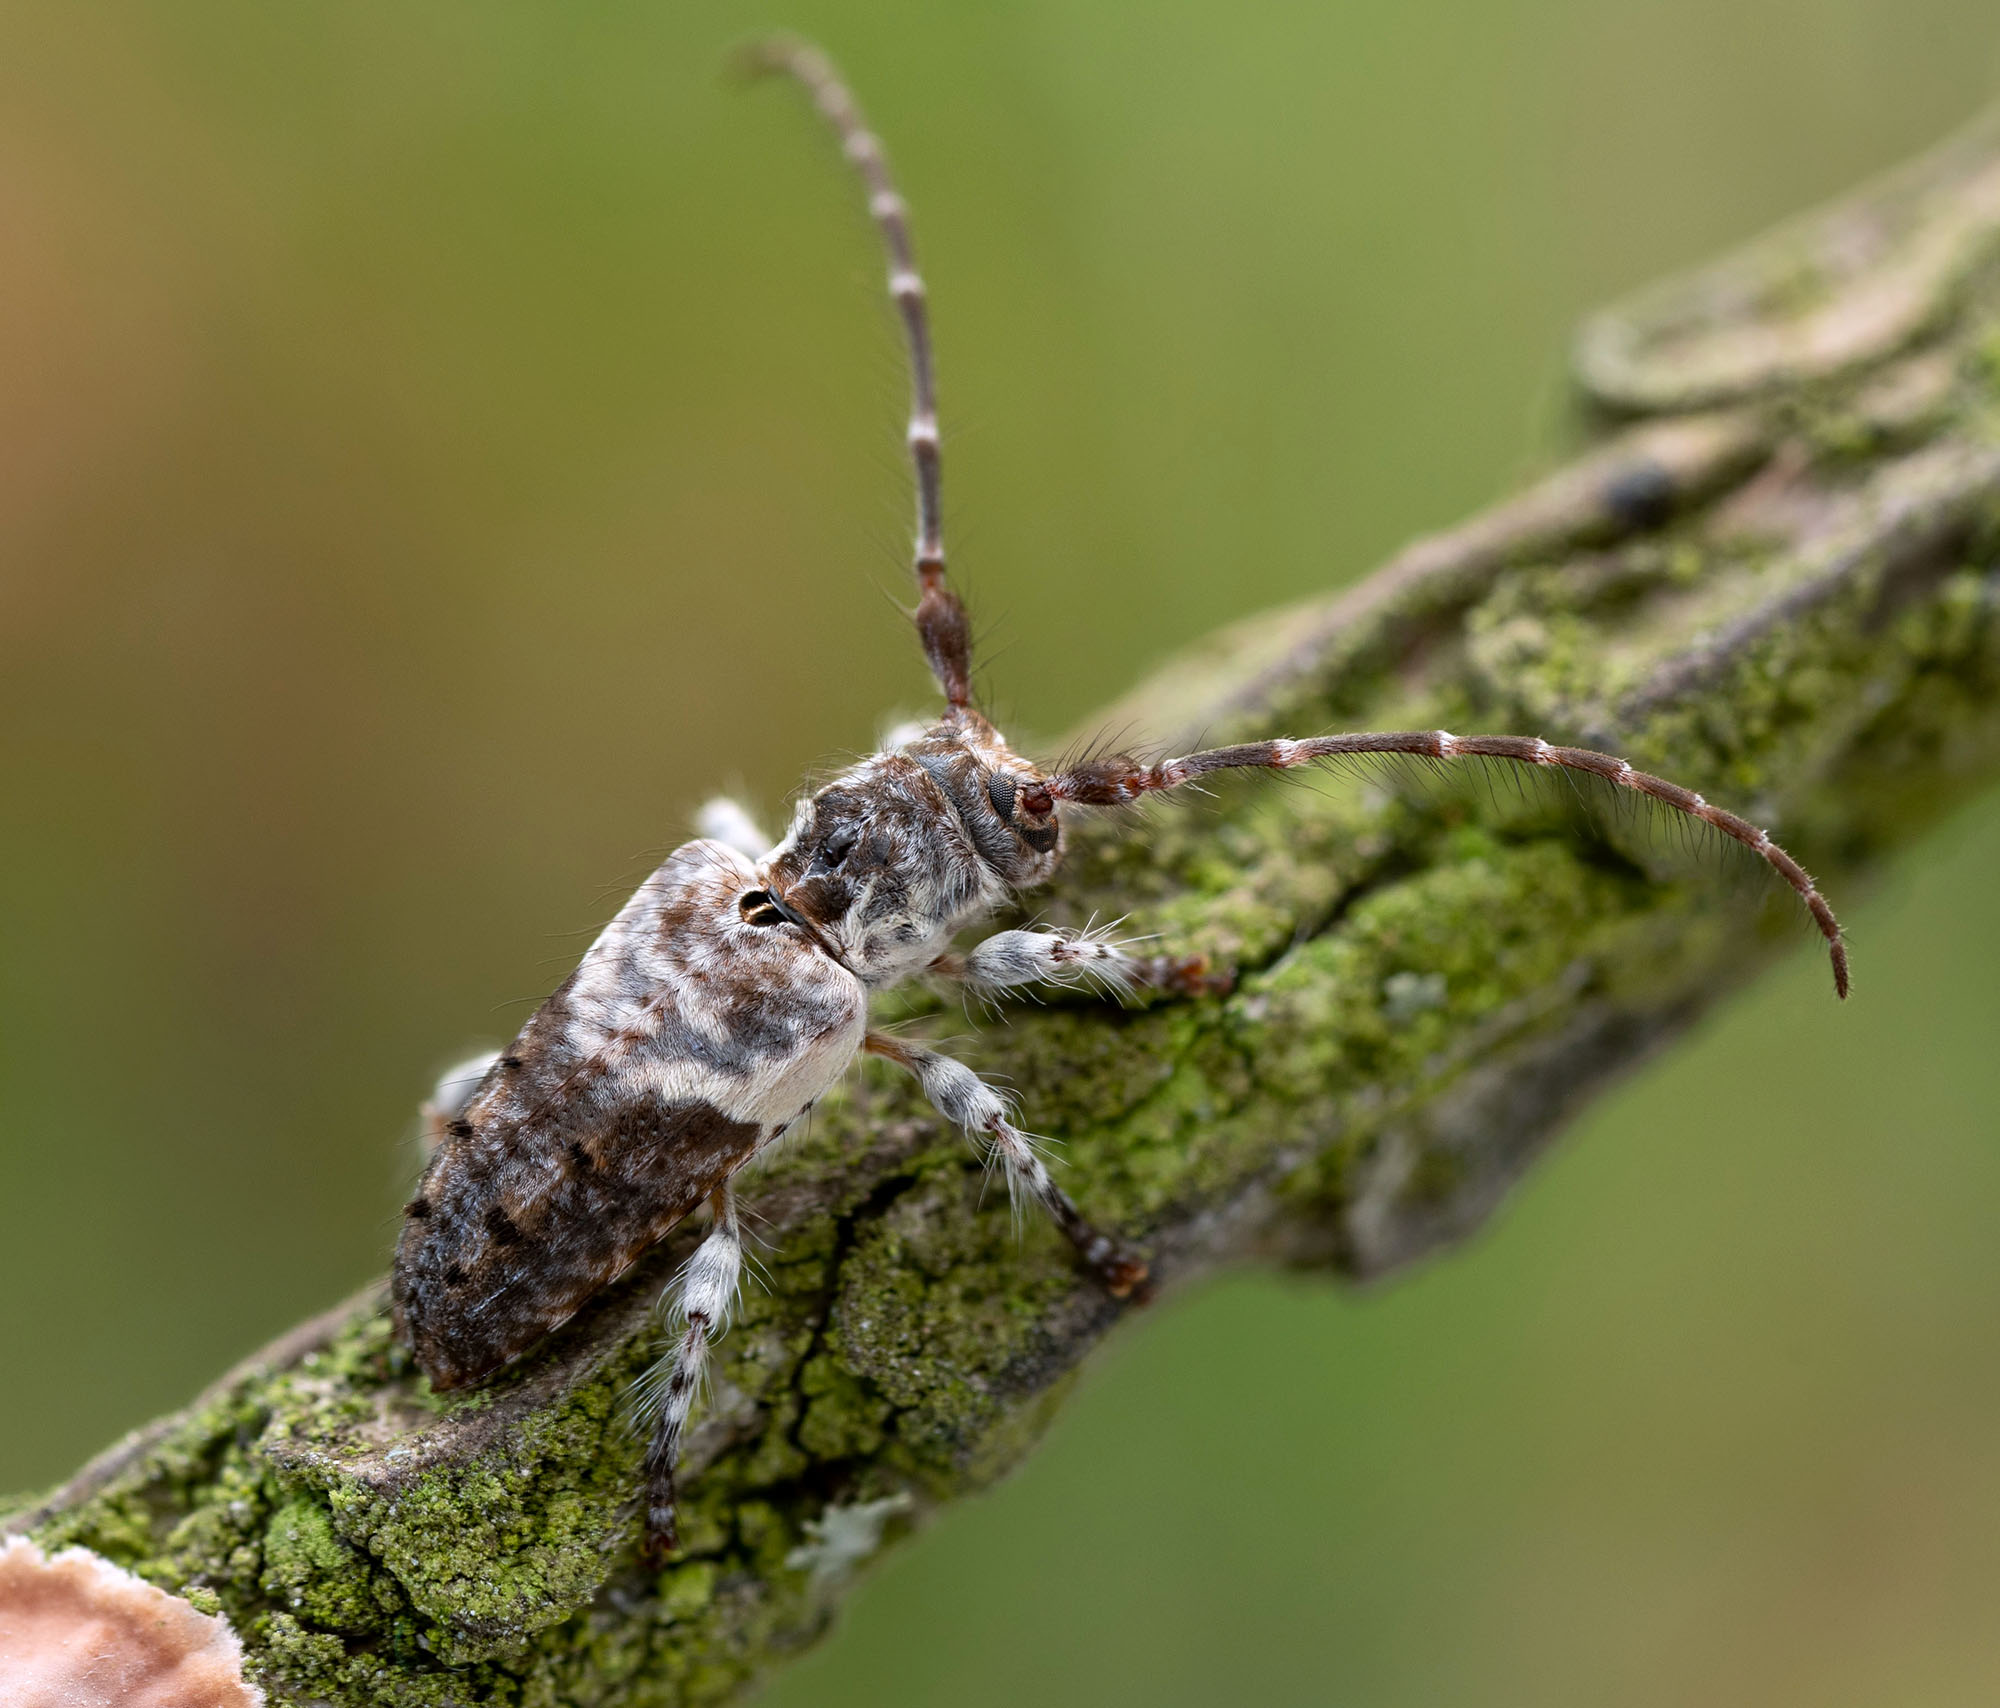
<point>1000,791</point>
<point>759,907</point>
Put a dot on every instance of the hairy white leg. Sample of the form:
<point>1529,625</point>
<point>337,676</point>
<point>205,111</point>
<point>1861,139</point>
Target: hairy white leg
<point>1093,959</point>
<point>726,821</point>
<point>451,1094</point>
<point>1011,958</point>
<point>967,1101</point>
<point>700,1310</point>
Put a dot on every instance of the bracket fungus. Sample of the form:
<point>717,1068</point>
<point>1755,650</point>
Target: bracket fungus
<point>78,1632</point>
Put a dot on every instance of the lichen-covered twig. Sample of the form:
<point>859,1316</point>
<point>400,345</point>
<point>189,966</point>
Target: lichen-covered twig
<point>1790,601</point>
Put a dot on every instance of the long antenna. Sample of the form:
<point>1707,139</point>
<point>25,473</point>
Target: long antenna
<point>1118,779</point>
<point>940,618</point>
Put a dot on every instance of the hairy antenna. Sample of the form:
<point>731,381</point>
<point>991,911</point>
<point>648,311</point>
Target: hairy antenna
<point>940,618</point>
<point>1118,779</point>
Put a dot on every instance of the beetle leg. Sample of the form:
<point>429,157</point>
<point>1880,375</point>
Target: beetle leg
<point>729,822</point>
<point>700,1309</point>
<point>451,1094</point>
<point>963,1098</point>
<point>1092,959</point>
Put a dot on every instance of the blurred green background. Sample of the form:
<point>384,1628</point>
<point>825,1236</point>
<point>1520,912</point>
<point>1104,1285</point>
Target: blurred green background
<point>441,442</point>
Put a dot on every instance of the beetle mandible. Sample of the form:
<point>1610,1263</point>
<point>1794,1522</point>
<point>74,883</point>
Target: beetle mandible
<point>731,992</point>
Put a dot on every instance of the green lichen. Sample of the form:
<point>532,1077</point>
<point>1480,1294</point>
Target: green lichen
<point>318,1577</point>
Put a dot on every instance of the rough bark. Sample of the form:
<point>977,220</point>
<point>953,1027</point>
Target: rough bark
<point>1774,577</point>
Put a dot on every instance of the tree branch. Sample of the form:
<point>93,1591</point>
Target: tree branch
<point>1774,579</point>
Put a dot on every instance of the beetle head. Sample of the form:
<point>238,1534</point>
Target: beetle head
<point>887,861</point>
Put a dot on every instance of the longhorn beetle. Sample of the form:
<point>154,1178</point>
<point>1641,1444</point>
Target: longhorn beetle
<point>731,992</point>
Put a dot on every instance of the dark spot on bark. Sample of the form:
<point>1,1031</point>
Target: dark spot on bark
<point>1641,497</point>
<point>418,1207</point>
<point>501,1226</point>
<point>454,1275</point>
